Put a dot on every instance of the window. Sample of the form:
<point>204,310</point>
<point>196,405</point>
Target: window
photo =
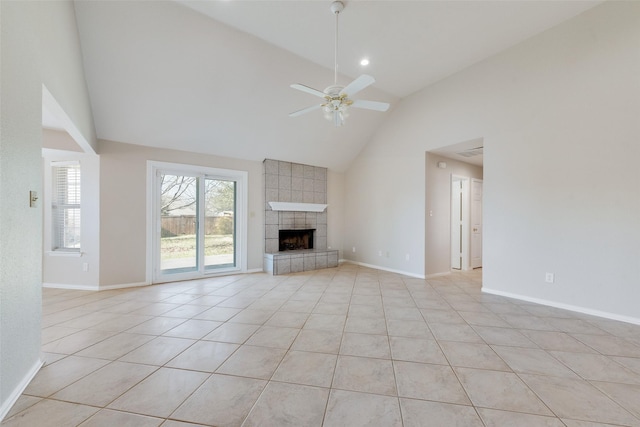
<point>65,209</point>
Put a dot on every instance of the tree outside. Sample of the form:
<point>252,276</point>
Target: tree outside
<point>179,205</point>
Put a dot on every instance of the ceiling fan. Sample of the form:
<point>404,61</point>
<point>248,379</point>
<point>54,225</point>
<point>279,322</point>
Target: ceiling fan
<point>337,99</point>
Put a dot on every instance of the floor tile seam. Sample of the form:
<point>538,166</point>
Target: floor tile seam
<point>130,312</point>
<point>286,351</point>
<point>583,380</point>
<point>75,353</point>
<point>186,349</point>
<point>510,371</point>
<point>54,399</point>
<point>335,367</point>
<point>123,355</point>
<point>198,338</point>
<point>76,306</point>
<point>400,395</point>
<point>477,412</point>
<point>11,415</point>
<point>468,395</point>
<point>547,352</point>
<point>495,353</point>
<point>154,318</point>
<point>551,353</point>
<point>113,400</point>
<point>161,314</point>
<point>156,365</point>
<point>553,416</point>
<point>605,354</point>
<point>80,422</point>
<point>133,412</point>
<point>633,414</point>
<point>266,384</point>
<point>63,321</point>
<point>189,396</point>
<point>118,330</point>
<point>43,343</point>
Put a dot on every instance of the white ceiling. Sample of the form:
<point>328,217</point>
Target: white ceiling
<point>213,76</point>
<point>467,151</point>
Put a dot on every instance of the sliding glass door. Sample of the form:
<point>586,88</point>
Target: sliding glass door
<point>178,209</point>
<point>219,223</point>
<point>196,213</point>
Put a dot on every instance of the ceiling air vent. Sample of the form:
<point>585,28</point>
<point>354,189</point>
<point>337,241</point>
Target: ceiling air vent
<point>471,152</point>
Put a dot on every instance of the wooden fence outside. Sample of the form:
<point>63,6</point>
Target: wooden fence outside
<point>186,224</point>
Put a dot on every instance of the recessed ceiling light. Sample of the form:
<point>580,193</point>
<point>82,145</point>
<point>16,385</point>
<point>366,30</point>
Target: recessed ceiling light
<point>364,62</point>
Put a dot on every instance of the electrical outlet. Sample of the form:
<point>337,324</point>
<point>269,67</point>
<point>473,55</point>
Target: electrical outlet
<point>85,266</point>
<point>549,278</point>
<point>379,253</point>
<point>407,257</point>
<point>353,249</point>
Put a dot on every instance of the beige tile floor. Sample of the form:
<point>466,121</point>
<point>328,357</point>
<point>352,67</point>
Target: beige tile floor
<point>348,346</point>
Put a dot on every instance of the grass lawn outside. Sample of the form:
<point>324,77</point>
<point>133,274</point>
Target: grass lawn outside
<point>185,245</point>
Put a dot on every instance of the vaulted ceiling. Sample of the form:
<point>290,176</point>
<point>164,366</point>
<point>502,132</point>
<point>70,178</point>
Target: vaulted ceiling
<point>213,76</point>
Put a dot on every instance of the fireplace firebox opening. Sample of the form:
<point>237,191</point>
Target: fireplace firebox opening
<point>290,240</point>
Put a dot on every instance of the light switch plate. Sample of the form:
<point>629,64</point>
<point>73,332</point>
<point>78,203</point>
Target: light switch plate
<point>33,198</point>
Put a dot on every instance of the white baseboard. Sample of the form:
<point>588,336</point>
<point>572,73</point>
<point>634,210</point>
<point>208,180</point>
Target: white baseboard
<point>15,394</point>
<point>434,275</point>
<point>123,285</point>
<point>93,288</point>
<point>390,270</point>
<point>255,270</point>
<point>577,309</point>
<point>68,286</point>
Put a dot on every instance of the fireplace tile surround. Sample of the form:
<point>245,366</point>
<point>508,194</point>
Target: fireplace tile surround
<point>297,183</point>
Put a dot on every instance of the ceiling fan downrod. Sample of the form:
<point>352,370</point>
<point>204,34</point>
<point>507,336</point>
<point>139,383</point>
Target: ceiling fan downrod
<point>336,8</point>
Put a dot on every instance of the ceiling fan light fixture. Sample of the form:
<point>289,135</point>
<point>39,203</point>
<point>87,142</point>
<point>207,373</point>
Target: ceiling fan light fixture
<point>337,98</point>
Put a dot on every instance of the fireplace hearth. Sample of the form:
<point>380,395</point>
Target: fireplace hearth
<point>291,240</point>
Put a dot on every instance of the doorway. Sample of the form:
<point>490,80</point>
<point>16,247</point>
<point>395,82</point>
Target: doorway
<point>197,221</point>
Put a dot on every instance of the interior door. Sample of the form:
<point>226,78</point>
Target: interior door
<point>476,223</point>
<point>456,224</point>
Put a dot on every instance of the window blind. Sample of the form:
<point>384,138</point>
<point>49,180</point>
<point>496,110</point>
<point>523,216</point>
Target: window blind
<point>66,206</point>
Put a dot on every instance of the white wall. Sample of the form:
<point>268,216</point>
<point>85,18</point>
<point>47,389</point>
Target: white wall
<point>20,225</point>
<point>123,211</point>
<point>335,211</point>
<point>438,202</point>
<point>62,71</point>
<point>384,206</point>
<point>559,117</point>
<point>39,46</point>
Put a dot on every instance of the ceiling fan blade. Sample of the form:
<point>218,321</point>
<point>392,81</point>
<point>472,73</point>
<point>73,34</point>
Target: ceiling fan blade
<point>305,110</point>
<point>357,85</point>
<point>308,89</point>
<point>371,105</point>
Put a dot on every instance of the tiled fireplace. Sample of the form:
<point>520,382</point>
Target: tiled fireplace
<point>296,218</point>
